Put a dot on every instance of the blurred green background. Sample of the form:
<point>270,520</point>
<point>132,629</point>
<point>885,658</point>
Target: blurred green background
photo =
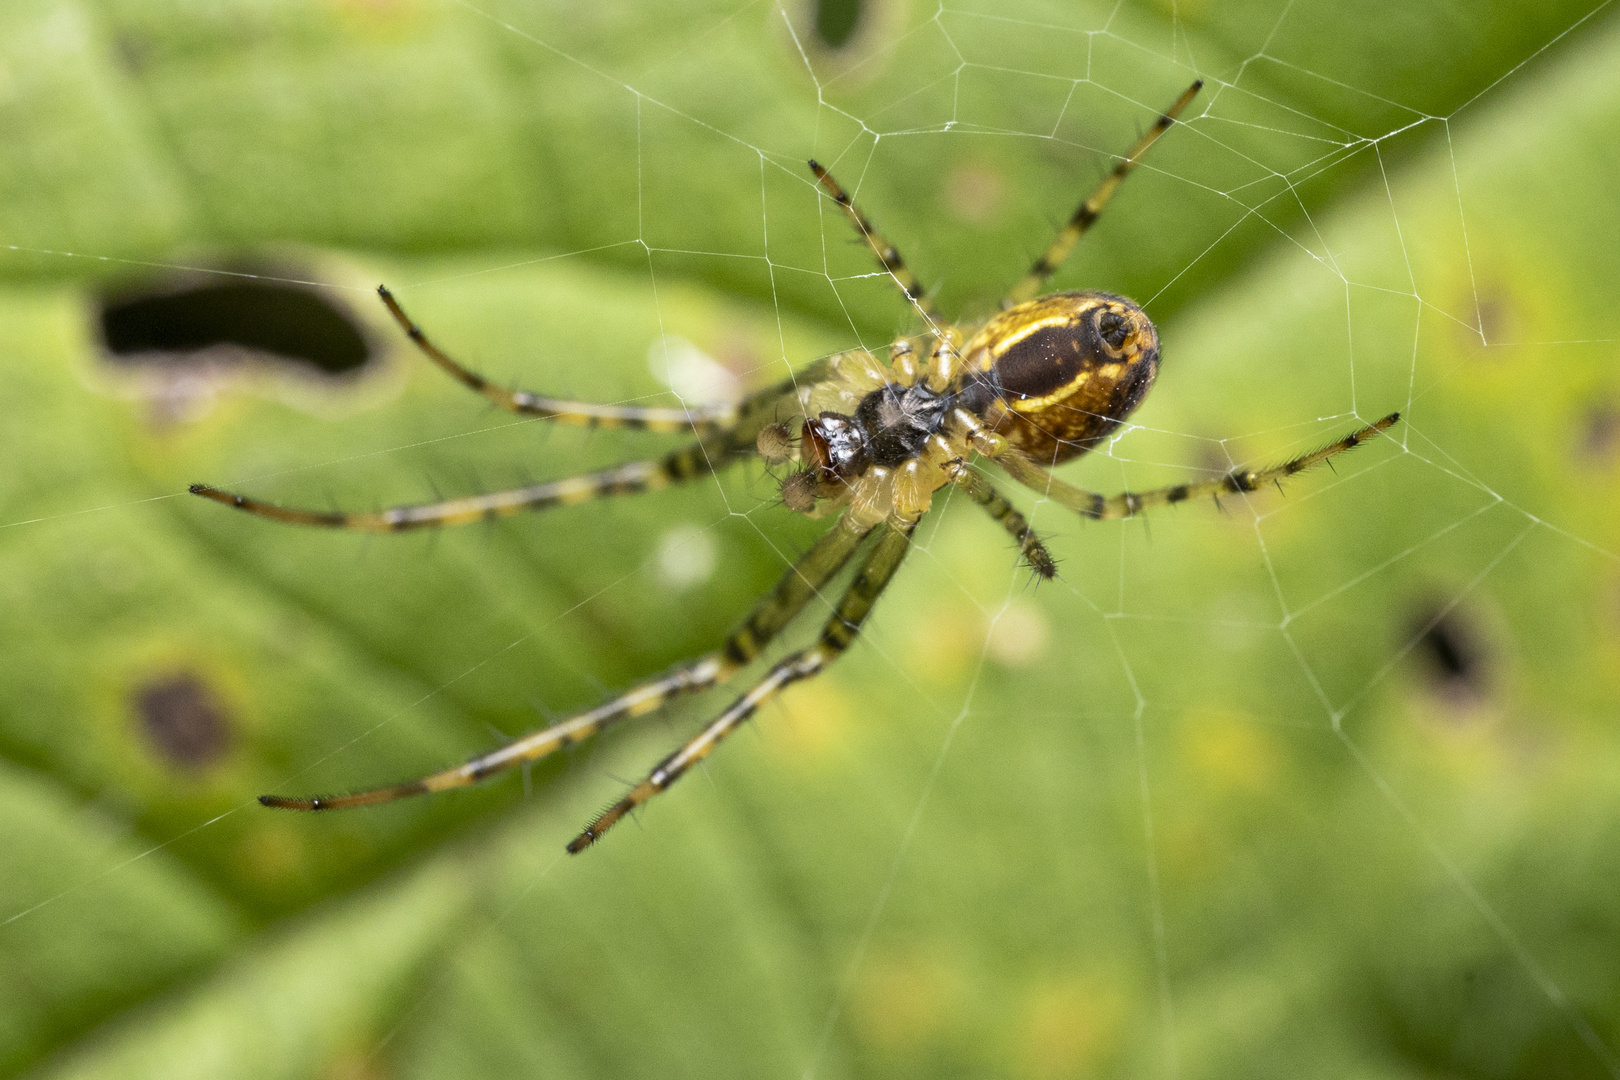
<point>1316,784</point>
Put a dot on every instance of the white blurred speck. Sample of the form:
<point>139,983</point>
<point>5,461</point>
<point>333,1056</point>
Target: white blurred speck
<point>1020,635</point>
<point>686,556</point>
<point>694,375</point>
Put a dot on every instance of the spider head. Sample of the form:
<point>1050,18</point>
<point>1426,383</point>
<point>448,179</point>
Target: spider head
<point>833,450</point>
<point>1065,370</point>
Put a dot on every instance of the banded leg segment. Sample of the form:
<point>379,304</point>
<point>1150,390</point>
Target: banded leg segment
<point>690,462</point>
<point>981,491</point>
<point>769,618</point>
<point>1086,214</point>
<point>702,419</point>
<point>836,636</point>
<point>1128,503</point>
<point>888,256</point>
<point>687,463</point>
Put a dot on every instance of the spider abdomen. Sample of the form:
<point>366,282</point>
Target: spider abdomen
<point>1063,371</point>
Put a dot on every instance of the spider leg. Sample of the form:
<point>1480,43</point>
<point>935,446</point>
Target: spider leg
<point>689,462</point>
<point>1087,213</point>
<point>1127,504</point>
<point>770,616</point>
<point>703,419</point>
<point>836,636</point>
<point>981,491</point>
<point>686,463</point>
<point>887,254</point>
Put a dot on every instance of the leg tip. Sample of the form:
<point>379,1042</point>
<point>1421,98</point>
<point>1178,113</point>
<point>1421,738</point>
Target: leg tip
<point>581,842</point>
<point>283,802</point>
<point>215,494</point>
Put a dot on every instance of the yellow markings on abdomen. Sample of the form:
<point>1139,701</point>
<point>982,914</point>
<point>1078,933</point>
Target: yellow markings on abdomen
<point>1106,372</point>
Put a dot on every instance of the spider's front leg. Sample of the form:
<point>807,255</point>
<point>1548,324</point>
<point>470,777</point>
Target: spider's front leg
<point>725,433</point>
<point>724,446</point>
<point>701,419</point>
<point>875,574</point>
<point>888,256</point>
<point>687,463</point>
<point>1090,209</point>
<point>803,581</point>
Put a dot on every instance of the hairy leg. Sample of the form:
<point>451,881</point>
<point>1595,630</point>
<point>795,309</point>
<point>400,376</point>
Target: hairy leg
<point>1129,503</point>
<point>804,580</point>
<point>836,636</point>
<point>1086,214</point>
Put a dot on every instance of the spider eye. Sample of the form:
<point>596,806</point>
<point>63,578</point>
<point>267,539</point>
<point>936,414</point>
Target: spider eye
<point>1113,328</point>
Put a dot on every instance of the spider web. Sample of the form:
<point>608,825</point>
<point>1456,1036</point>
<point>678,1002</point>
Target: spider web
<point>1310,778</point>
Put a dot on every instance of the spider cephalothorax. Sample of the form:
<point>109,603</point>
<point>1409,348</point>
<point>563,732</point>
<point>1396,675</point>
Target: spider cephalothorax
<point>1040,383</point>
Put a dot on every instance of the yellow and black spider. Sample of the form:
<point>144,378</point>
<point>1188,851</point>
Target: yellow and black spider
<point>1039,383</point>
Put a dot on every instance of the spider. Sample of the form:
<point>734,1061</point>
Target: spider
<point>1040,383</point>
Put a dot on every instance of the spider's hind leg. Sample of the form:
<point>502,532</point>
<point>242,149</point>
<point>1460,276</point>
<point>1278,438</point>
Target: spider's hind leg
<point>1130,503</point>
<point>836,636</point>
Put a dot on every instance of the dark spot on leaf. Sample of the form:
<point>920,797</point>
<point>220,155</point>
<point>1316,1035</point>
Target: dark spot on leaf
<point>837,21</point>
<point>1496,322</point>
<point>1493,319</point>
<point>1600,435</point>
<point>132,52</point>
<point>182,721</point>
<point>216,319</point>
<point>1451,653</point>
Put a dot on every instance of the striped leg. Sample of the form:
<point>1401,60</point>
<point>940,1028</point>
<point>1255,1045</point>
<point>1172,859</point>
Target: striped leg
<point>1127,504</point>
<point>887,254</point>
<point>1087,213</point>
<point>703,419</point>
<point>996,505</point>
<point>687,463</point>
<point>836,636</point>
<point>806,579</point>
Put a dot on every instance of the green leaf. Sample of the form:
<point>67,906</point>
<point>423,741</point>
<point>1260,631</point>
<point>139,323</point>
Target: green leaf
<point>1318,783</point>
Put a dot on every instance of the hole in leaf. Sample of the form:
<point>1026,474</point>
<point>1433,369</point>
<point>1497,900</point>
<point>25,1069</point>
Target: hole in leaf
<point>268,319</point>
<point>837,21</point>
<point>182,720</point>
